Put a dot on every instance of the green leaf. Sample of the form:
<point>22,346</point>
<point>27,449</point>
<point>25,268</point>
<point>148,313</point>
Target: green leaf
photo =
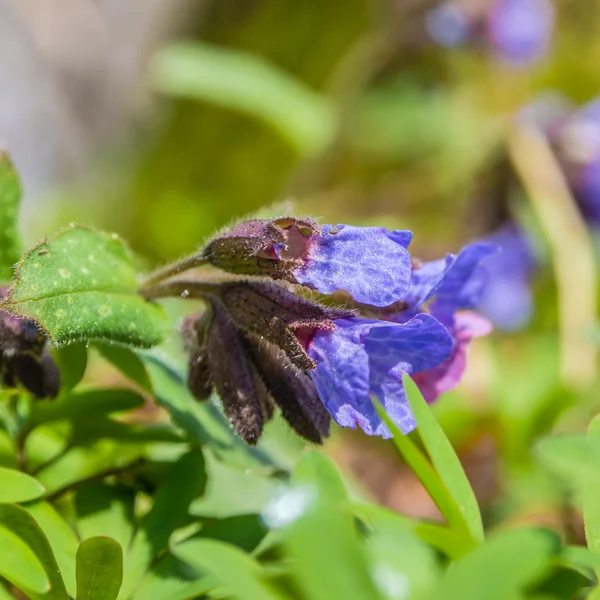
<point>127,361</point>
<point>72,362</point>
<point>61,537</point>
<point>99,569</point>
<point>105,509</point>
<point>10,198</point>
<point>20,565</point>
<point>320,534</point>
<point>445,461</point>
<point>248,84</point>
<point>18,487</point>
<point>80,463</point>
<point>22,524</point>
<point>171,578</point>
<point>504,568</point>
<point>438,536</point>
<point>402,565</point>
<point>90,404</point>
<point>233,568</point>
<point>222,498</point>
<point>82,285</point>
<point>183,482</point>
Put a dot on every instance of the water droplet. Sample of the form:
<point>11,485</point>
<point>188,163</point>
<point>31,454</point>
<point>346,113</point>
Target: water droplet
<point>185,293</point>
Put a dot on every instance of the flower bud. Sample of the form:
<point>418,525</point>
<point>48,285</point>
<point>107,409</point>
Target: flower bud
<point>24,360</point>
<point>262,247</point>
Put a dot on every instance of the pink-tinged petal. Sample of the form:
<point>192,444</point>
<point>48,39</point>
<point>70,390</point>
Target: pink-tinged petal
<point>447,375</point>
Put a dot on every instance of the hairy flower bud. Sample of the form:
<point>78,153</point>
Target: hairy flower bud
<point>293,392</point>
<point>271,312</point>
<point>234,378</point>
<point>262,247</point>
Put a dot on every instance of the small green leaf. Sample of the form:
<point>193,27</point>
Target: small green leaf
<point>239,574</point>
<point>445,461</point>
<point>503,568</point>
<point>105,509</point>
<point>20,565</point>
<point>61,537</point>
<point>183,482</point>
<point>320,533</point>
<point>22,524</point>
<point>127,361</point>
<point>18,487</point>
<point>10,198</point>
<point>251,85</point>
<point>82,285</point>
<point>72,362</point>
<point>171,578</point>
<point>99,569</point>
<point>90,403</point>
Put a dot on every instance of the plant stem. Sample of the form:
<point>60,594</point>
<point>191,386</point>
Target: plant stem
<point>173,269</point>
<point>571,247</point>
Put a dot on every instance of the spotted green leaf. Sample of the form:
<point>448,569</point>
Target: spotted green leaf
<point>10,198</point>
<point>81,285</point>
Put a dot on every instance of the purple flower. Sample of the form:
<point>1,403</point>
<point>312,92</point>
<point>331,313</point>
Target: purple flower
<point>448,286</point>
<point>447,375</point>
<point>372,264</point>
<point>507,299</point>
<point>362,358</point>
<point>520,30</point>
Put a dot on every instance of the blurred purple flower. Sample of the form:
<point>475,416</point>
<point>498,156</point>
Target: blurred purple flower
<point>507,299</point>
<point>362,358</point>
<point>578,143</point>
<point>520,30</point>
<point>448,25</point>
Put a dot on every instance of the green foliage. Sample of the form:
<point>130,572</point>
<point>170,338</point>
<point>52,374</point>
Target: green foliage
<point>99,569</point>
<point>10,198</point>
<point>81,285</point>
<point>18,487</point>
<point>248,84</point>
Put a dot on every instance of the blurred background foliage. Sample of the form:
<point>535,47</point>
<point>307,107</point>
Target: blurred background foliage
<point>166,123</point>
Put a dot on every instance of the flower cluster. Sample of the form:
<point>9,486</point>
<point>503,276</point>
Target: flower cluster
<point>264,341</point>
<point>24,358</point>
<point>518,31</point>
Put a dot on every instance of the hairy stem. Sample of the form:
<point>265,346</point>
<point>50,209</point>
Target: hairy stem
<point>173,269</point>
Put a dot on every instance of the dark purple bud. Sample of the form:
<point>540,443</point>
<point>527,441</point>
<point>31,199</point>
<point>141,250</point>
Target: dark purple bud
<point>273,248</point>
<point>23,358</point>
<point>234,378</point>
<point>195,332</point>
<point>293,392</point>
<point>270,311</point>
<point>199,380</point>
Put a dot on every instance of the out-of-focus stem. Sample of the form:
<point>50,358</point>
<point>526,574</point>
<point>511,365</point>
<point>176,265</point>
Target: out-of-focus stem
<point>571,248</point>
